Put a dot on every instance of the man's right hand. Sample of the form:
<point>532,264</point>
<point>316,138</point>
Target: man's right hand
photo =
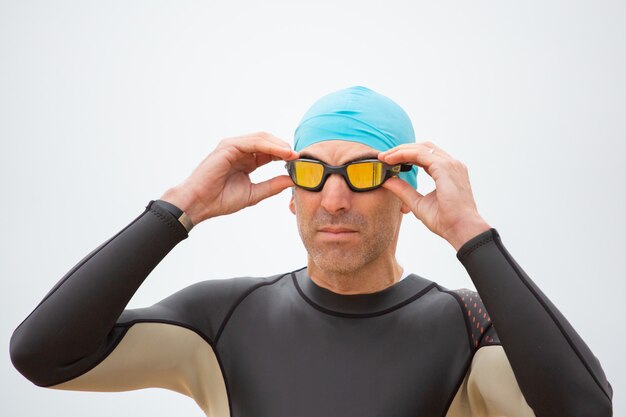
<point>221,183</point>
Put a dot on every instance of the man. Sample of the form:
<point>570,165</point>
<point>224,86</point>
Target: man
<point>352,334</point>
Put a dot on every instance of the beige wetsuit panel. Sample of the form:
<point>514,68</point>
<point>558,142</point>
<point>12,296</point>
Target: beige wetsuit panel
<point>163,356</point>
<point>490,388</point>
<point>175,358</point>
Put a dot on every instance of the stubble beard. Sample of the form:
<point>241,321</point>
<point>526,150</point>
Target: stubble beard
<point>345,257</point>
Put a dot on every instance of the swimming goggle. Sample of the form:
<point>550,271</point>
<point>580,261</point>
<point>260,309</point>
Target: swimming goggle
<point>364,175</point>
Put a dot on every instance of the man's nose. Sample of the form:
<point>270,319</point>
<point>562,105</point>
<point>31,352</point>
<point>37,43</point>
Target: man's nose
<point>336,195</point>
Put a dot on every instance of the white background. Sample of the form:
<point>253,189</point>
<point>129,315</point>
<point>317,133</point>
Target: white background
<point>104,105</point>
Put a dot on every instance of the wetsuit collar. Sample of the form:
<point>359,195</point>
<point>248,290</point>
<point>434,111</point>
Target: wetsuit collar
<point>365,305</point>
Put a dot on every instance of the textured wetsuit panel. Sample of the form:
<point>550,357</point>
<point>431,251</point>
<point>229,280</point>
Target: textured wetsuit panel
<point>482,332</point>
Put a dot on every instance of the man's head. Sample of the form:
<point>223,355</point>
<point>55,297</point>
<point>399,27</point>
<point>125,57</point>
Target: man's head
<point>342,230</point>
<point>357,114</point>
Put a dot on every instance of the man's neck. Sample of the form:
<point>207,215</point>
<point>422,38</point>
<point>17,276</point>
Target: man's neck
<point>370,278</point>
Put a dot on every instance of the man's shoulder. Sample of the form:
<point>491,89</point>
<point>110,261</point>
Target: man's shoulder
<point>471,307</point>
<point>476,317</point>
<point>229,288</point>
<point>202,306</point>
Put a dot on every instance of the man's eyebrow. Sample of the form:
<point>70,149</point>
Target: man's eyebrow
<point>368,155</point>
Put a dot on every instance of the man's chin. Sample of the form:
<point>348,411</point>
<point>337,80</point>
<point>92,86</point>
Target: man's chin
<point>338,260</point>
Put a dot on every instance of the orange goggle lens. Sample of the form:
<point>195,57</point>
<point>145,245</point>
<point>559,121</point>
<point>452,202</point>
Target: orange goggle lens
<point>366,174</point>
<point>308,174</point>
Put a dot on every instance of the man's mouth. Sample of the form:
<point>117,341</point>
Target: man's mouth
<point>336,232</point>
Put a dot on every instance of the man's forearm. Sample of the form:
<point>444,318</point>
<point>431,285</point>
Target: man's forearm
<point>74,322</point>
<point>555,369</point>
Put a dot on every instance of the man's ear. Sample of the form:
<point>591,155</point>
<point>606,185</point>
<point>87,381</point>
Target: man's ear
<point>292,204</point>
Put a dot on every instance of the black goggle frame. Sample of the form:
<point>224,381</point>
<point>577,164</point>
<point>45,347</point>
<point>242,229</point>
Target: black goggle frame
<point>389,172</point>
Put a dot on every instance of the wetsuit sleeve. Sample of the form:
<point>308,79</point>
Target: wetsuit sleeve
<point>556,371</point>
<point>73,328</point>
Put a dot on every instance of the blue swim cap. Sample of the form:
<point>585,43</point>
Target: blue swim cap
<point>357,114</point>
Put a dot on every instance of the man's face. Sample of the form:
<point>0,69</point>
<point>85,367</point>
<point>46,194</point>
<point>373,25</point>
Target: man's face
<point>343,230</point>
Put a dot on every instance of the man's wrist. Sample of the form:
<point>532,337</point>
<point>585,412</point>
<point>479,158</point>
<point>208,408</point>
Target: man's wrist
<point>184,200</point>
<point>465,231</point>
<point>179,214</point>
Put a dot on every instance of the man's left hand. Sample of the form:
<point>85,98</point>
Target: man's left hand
<point>449,210</point>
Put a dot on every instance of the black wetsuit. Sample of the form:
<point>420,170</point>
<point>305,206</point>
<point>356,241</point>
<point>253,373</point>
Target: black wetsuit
<point>283,346</point>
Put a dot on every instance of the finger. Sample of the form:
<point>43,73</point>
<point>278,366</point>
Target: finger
<point>271,138</point>
<point>429,145</point>
<point>248,163</point>
<point>414,155</point>
<point>262,143</point>
<point>263,158</point>
<point>264,136</point>
<point>417,156</point>
<point>266,147</point>
<point>422,155</point>
<point>395,148</point>
<point>277,140</point>
<point>437,149</point>
<point>427,148</point>
<point>268,188</point>
<point>260,136</point>
<point>405,192</point>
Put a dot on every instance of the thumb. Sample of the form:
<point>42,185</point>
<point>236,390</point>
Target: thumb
<point>405,192</point>
<point>268,188</point>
